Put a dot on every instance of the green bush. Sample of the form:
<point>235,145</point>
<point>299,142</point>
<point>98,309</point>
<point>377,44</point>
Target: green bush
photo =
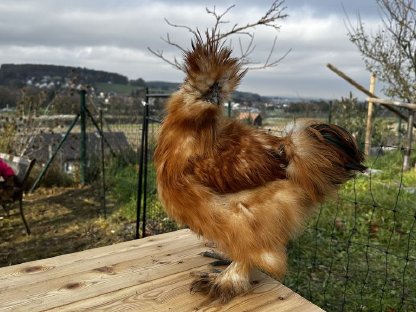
<point>350,114</point>
<point>54,177</point>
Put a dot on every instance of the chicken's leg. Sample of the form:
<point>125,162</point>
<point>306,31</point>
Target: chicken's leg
<point>272,262</point>
<point>220,259</point>
<point>231,282</point>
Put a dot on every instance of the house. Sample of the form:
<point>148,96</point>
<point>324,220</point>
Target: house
<point>7,109</point>
<point>43,146</point>
<point>251,118</point>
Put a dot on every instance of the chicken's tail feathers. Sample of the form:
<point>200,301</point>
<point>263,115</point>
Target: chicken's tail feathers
<point>322,156</point>
<point>344,143</point>
<point>210,69</point>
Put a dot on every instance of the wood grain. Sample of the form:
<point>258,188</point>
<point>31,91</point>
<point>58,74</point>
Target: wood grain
<point>152,274</point>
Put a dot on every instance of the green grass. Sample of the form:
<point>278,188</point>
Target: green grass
<point>359,251</point>
<point>124,190</point>
<point>123,187</point>
<point>120,89</point>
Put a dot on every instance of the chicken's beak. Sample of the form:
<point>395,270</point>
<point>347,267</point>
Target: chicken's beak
<point>214,94</point>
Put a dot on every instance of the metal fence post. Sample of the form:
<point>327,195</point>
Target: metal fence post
<point>142,154</point>
<point>45,168</point>
<point>330,104</point>
<point>83,145</point>
<point>145,156</point>
<point>104,206</point>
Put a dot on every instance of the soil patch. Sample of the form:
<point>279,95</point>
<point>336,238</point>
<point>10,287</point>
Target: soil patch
<point>62,221</point>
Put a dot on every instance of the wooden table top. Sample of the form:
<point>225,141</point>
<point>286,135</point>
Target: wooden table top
<point>150,274</point>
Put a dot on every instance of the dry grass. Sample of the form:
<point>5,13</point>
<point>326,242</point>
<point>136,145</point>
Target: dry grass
<point>62,220</point>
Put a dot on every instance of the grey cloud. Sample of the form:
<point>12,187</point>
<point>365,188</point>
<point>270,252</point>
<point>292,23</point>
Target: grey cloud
<point>114,35</point>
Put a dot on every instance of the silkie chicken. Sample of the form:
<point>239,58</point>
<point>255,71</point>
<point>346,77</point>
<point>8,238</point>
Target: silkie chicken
<point>244,189</point>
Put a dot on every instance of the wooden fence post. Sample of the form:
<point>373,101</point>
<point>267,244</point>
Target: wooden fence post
<point>369,125</point>
<point>365,91</point>
<point>406,159</point>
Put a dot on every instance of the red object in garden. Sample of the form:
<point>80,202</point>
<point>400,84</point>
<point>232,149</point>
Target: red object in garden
<point>5,170</point>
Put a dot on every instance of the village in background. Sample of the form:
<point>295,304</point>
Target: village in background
<point>47,95</point>
<point>93,134</point>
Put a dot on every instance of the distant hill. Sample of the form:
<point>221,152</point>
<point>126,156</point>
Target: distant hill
<point>168,87</point>
<point>163,86</point>
<point>38,75</point>
<point>20,74</point>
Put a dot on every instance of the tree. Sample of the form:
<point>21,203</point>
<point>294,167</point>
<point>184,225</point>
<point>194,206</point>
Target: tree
<point>19,128</point>
<point>390,52</point>
<point>139,82</point>
<point>348,113</point>
<point>7,97</point>
<point>271,19</point>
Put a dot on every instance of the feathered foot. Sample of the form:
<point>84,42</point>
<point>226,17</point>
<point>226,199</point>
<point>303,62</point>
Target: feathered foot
<point>225,285</point>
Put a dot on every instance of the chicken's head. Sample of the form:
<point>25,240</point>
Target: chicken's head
<point>212,73</point>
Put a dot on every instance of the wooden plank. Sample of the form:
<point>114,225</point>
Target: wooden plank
<point>411,106</point>
<point>172,294</point>
<point>151,274</point>
<point>56,292</point>
<point>86,278</point>
<point>39,270</point>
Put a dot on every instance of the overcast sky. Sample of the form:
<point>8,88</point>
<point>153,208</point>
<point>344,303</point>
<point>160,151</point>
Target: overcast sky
<point>113,35</point>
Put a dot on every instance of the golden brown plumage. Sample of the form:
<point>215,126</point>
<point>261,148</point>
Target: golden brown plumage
<point>243,188</point>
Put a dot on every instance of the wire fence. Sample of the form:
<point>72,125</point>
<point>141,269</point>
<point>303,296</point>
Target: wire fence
<point>358,253</point>
<point>151,218</point>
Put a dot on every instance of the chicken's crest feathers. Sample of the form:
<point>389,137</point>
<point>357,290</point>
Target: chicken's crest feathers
<point>211,70</point>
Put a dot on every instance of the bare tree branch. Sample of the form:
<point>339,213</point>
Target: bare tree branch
<point>269,63</point>
<point>180,26</point>
<point>219,17</point>
<point>271,18</point>
<point>391,51</point>
<point>175,63</point>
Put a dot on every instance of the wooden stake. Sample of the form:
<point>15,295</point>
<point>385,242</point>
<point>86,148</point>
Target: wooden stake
<point>369,117</point>
<point>406,159</point>
<point>365,91</point>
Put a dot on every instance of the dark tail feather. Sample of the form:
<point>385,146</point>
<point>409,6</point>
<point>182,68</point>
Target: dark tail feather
<point>344,143</point>
<point>322,157</point>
